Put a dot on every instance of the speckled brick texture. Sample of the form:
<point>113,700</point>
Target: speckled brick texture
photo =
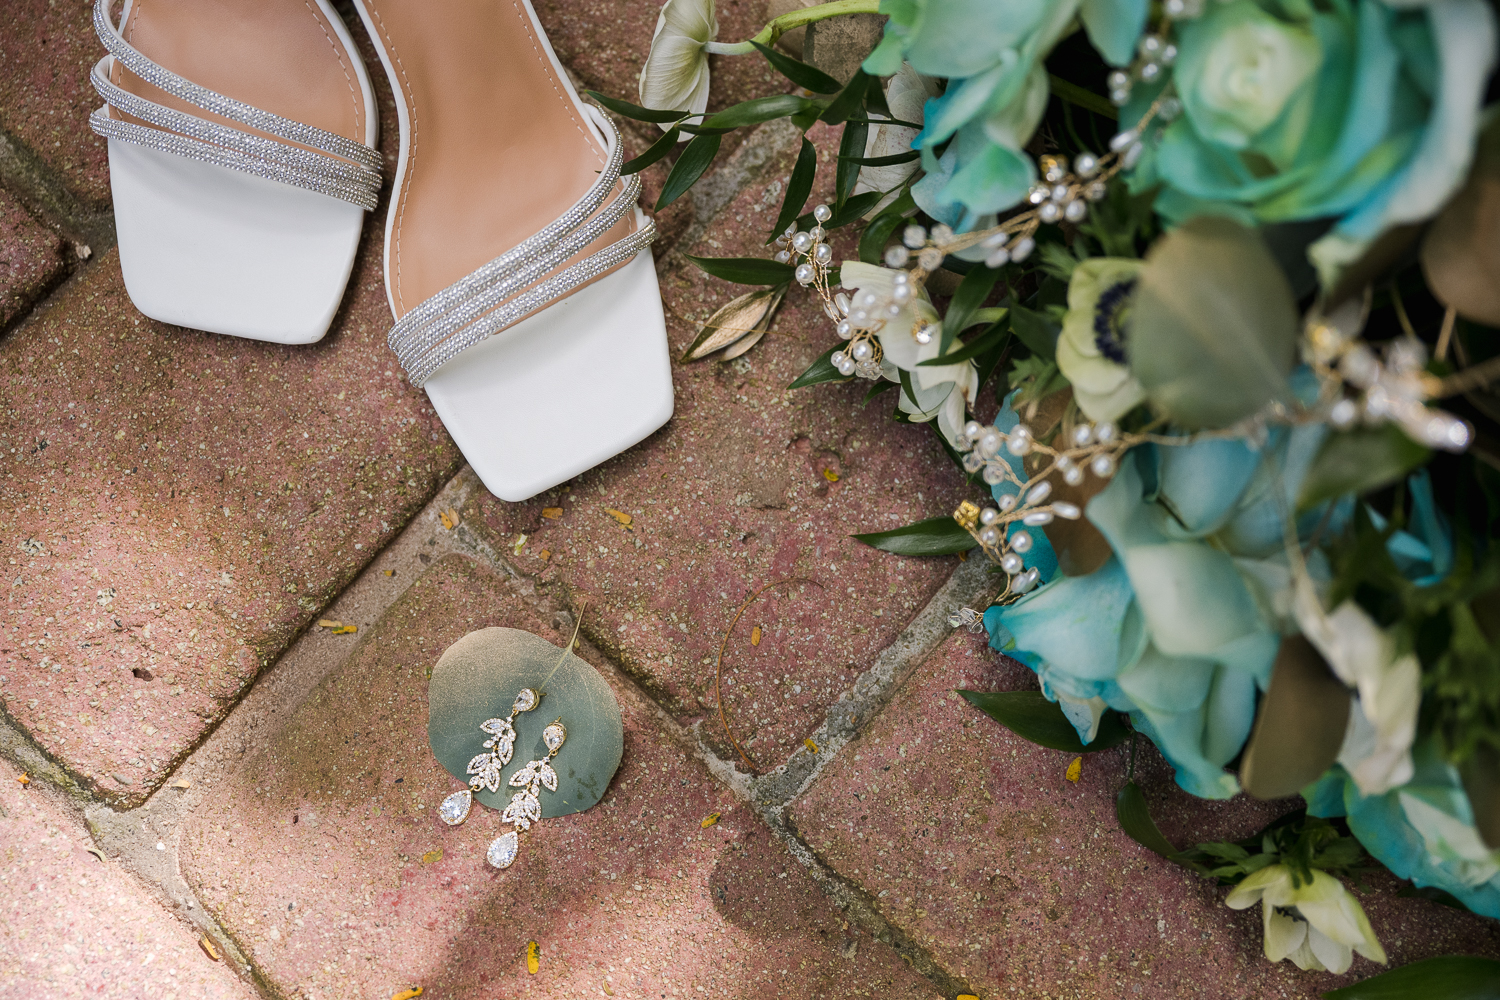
<point>176,505</point>
<point>749,484</point>
<point>972,841</point>
<point>74,926</point>
<point>31,260</point>
<point>46,50</point>
<point>322,855</point>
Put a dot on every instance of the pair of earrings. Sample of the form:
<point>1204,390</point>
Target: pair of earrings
<point>525,806</point>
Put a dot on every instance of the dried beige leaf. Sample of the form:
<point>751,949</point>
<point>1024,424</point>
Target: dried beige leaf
<point>432,856</point>
<point>746,314</point>
<point>742,345</point>
<point>182,783</point>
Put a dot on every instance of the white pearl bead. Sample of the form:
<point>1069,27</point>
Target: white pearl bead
<point>989,443</point>
<point>972,430</point>
<point>1064,509</point>
<point>824,253</point>
<point>914,236</point>
<point>1011,563</point>
<point>817,233</point>
<point>859,315</point>
<point>837,358</point>
<point>1025,582</point>
<point>930,259</point>
<point>1086,164</point>
<point>822,213</point>
<point>866,299</point>
<point>1074,211</point>
<point>1022,249</point>
<point>897,255</point>
<point>997,259</point>
<point>989,536</point>
<point>801,242</point>
<point>1039,492</point>
<point>1037,517</point>
<point>861,351</point>
<point>1049,212</point>
<point>842,301</point>
<point>989,515</point>
<point>845,329</point>
<point>1007,502</point>
<point>1122,140</point>
<point>1021,541</point>
<point>1082,435</point>
<point>1103,466</point>
<point>1073,476</point>
<point>1106,432</point>
<point>1019,442</point>
<point>804,273</point>
<point>994,475</point>
<point>901,294</point>
<point>847,367</point>
<point>783,256</point>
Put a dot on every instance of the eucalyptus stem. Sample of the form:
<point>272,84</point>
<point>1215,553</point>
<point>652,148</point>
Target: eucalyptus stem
<point>795,19</point>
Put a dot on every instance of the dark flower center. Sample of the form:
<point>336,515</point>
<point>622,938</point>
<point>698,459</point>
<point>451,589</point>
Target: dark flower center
<point>1110,316</point>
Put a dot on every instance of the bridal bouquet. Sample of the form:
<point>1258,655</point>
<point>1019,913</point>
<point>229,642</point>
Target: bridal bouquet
<point>1231,269</point>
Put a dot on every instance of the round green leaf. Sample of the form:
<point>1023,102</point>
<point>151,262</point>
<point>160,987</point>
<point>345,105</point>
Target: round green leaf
<point>477,678</point>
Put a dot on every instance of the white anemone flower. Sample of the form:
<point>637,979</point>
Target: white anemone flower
<point>943,392</point>
<point>1383,717</point>
<point>675,74</point>
<point>1318,925</point>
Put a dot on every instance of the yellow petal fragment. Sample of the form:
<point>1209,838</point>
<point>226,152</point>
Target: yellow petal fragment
<point>619,515</point>
<point>328,623</point>
<point>345,630</point>
<point>708,821</point>
<point>449,518</point>
<point>830,475</point>
<point>520,544</point>
<point>208,948</point>
<point>810,745</point>
<point>1075,770</point>
<point>24,780</point>
<point>531,958</point>
<point>545,554</point>
<point>552,513</point>
<point>966,996</point>
<point>410,994</point>
<point>389,572</point>
<point>432,856</point>
<point>755,636</point>
<point>182,783</point>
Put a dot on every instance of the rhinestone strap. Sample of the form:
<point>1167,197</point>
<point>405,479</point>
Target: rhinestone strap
<point>335,166</point>
<point>476,307</point>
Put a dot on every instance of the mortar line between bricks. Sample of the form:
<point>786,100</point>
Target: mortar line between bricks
<point>768,795</point>
<point>26,176</point>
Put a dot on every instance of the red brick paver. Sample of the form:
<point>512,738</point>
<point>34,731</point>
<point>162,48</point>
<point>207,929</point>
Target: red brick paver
<point>324,858</point>
<point>973,841</point>
<point>31,260</point>
<point>72,925</point>
<point>176,505</point>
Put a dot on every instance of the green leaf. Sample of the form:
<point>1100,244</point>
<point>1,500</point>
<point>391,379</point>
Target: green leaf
<point>872,242</point>
<point>1358,461</point>
<point>987,341</point>
<point>745,270</point>
<point>882,161</point>
<point>972,292</point>
<point>1300,725</point>
<point>759,109</point>
<point>886,121</point>
<point>881,385</point>
<point>661,147</point>
<point>1086,99</point>
<point>853,209</point>
<point>848,99</point>
<point>798,187</point>
<point>1031,716</point>
<point>1036,331</point>
<point>1449,977</point>
<point>478,677</point>
<point>1213,329</point>
<point>936,536</point>
<point>907,389</point>
<point>821,370</point>
<point>635,111</point>
<point>800,73</point>
<point>695,158</point>
<point>1135,819</point>
<point>847,176</point>
<point>1037,378</point>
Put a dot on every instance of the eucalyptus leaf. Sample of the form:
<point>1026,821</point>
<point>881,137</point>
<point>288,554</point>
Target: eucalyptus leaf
<point>695,159</point>
<point>731,322</point>
<point>745,270</point>
<point>759,109</point>
<point>1134,817</point>
<point>1300,726</point>
<point>821,370</point>
<point>1448,977</point>
<point>1213,328</point>
<point>479,676</point>
<point>1358,461</point>
<point>1031,716</point>
<point>936,536</point>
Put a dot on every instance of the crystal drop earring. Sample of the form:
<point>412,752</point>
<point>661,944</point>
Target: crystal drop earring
<point>486,767</point>
<point>525,807</point>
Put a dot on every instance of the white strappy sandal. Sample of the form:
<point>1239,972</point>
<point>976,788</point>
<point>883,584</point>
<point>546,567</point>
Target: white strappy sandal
<point>516,262</point>
<point>239,186</point>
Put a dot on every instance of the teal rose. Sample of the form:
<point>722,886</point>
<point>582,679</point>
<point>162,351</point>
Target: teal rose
<point>1362,113</point>
<point>991,53</point>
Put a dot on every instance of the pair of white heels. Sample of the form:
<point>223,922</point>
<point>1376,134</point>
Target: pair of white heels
<point>517,266</point>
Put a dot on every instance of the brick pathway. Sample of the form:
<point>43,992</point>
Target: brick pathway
<point>178,510</point>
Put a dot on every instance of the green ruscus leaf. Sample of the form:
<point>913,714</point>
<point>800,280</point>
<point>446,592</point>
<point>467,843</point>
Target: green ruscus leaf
<point>851,145</point>
<point>661,147</point>
<point>936,536</point>
<point>1448,977</point>
<point>1135,819</point>
<point>798,187</point>
<point>745,270</point>
<point>635,111</point>
<point>760,109</point>
<point>798,72</point>
<point>821,370</point>
<point>1031,716</point>
<point>1213,327</point>
<point>478,677</point>
<point>695,158</point>
<point>966,301</point>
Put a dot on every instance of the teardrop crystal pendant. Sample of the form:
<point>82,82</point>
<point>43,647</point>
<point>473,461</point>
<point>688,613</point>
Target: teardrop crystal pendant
<point>525,701</point>
<point>554,735</point>
<point>503,849</point>
<point>455,808</point>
